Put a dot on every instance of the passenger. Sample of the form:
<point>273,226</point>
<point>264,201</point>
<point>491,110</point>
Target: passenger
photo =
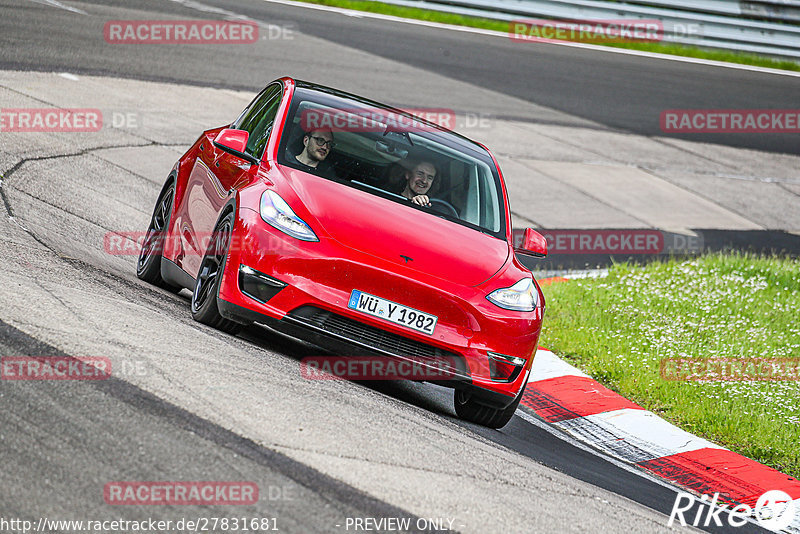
<point>317,144</point>
<point>419,180</point>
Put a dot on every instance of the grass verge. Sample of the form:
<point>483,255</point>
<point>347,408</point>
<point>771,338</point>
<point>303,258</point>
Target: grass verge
<point>500,26</point>
<point>733,306</point>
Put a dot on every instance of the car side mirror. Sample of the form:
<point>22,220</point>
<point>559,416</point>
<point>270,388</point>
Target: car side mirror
<point>533,244</point>
<point>234,142</point>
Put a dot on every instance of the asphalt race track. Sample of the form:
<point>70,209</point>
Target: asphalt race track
<point>617,91</point>
<point>188,403</point>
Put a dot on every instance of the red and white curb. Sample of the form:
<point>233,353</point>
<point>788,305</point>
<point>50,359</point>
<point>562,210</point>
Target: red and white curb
<point>568,399</point>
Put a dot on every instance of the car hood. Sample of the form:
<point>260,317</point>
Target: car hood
<point>390,230</point>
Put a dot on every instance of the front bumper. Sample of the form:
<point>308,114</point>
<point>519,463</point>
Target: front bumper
<point>312,305</point>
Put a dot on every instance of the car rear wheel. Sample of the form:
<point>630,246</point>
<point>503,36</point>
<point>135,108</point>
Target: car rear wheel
<point>204,296</point>
<point>148,266</point>
<point>469,409</point>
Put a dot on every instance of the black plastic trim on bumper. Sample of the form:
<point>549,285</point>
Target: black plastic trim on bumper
<point>257,285</point>
<point>342,345</point>
<point>176,276</point>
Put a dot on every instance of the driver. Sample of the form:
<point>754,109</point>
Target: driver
<point>419,180</point>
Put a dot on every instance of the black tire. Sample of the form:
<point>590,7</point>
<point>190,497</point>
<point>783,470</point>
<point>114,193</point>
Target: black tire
<point>148,266</point>
<point>206,288</point>
<point>469,409</point>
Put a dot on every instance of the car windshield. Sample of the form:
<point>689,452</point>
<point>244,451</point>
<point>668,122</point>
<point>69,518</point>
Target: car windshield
<point>391,154</point>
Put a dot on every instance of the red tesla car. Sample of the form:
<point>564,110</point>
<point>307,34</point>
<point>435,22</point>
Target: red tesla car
<point>358,227</point>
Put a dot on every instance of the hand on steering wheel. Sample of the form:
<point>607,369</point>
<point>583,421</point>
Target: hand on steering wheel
<point>443,207</point>
<point>421,200</point>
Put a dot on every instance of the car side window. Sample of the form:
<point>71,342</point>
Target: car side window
<point>258,119</point>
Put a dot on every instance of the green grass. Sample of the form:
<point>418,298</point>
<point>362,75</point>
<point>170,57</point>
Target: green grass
<point>619,328</point>
<point>500,26</point>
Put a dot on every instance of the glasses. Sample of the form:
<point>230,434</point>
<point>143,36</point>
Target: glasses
<point>321,141</point>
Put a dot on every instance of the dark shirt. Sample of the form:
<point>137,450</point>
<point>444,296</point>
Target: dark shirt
<point>323,168</point>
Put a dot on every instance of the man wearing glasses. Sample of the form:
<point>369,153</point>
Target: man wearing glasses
<point>317,144</point>
<point>419,180</point>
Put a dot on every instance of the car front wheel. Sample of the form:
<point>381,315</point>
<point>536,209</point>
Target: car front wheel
<point>468,408</point>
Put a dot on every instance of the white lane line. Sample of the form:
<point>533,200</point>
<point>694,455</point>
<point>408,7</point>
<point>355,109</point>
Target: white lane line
<point>56,3</point>
<point>191,4</point>
<point>69,76</point>
<point>598,48</point>
<point>230,15</point>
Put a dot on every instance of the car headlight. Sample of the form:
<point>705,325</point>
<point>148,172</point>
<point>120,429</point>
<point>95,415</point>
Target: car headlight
<point>522,296</point>
<point>276,212</point>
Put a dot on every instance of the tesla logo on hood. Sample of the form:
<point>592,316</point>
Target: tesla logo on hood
<point>407,258</point>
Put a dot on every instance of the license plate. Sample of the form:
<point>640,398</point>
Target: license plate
<point>392,311</point>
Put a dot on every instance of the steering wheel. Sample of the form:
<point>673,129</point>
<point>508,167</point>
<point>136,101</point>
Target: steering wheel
<point>443,207</point>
